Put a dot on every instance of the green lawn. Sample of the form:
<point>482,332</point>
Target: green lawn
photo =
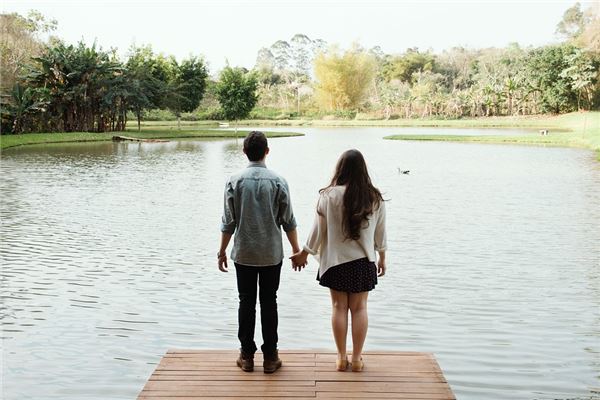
<point>568,130</point>
<point>148,132</point>
<point>529,121</point>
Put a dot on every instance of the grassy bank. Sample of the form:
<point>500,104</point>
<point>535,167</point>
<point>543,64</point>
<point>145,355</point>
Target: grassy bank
<point>570,130</point>
<point>148,132</point>
<point>530,121</point>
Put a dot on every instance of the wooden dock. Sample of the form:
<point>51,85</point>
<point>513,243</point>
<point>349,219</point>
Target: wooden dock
<point>119,138</point>
<point>213,374</point>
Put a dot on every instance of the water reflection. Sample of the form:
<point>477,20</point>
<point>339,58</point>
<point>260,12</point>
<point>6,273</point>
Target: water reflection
<point>107,254</point>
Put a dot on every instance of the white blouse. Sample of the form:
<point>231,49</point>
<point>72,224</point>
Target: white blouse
<point>327,241</point>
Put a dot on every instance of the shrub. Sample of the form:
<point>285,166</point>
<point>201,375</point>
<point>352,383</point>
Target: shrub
<point>158,115</point>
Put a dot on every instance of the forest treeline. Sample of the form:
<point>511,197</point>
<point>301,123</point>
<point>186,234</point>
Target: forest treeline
<point>48,85</point>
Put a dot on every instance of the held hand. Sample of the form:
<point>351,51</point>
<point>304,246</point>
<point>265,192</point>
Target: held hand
<point>299,260</point>
<point>223,263</point>
<point>381,267</point>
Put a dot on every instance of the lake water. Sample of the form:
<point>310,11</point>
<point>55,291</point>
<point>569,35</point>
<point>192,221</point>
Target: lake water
<point>108,260</point>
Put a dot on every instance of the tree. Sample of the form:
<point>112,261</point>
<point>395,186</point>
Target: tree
<point>186,87</point>
<point>284,71</point>
<point>572,23</point>
<point>72,88</point>
<point>20,39</point>
<point>281,51</point>
<point>343,79</point>
<point>544,68</point>
<point>193,74</point>
<point>459,65</point>
<point>394,94</point>
<point>301,52</point>
<point>236,91</point>
<point>148,82</point>
<point>21,111</point>
<point>590,35</point>
<point>403,67</point>
<point>582,73</point>
<point>426,90</point>
<point>265,60</point>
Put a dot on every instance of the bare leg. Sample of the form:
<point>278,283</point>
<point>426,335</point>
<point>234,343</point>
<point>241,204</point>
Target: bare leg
<point>360,322</point>
<point>339,321</point>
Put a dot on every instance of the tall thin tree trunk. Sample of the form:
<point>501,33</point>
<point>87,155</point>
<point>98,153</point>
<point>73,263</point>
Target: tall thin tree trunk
<point>298,100</point>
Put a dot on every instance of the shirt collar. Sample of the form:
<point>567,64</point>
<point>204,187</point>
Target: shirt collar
<point>259,164</point>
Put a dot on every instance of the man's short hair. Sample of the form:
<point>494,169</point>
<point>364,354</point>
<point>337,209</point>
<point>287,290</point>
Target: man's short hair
<point>255,145</point>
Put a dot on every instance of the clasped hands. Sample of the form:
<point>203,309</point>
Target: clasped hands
<point>299,260</point>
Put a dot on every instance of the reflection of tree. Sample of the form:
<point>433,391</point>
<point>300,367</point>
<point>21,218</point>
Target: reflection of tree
<point>102,154</point>
<point>233,157</point>
<point>233,147</point>
<point>189,146</point>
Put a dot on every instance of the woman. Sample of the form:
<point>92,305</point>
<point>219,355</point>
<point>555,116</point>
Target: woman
<point>349,229</point>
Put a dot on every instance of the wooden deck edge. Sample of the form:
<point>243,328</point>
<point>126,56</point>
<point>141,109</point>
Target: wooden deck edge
<point>192,374</point>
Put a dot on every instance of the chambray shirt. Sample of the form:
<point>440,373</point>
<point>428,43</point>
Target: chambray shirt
<point>256,206</point>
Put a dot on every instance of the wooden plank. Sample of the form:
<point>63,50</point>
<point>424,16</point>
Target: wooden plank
<point>382,387</point>
<point>366,378</point>
<point>386,396</point>
<point>229,364</point>
<point>246,385</point>
<point>222,357</point>
<point>374,374</point>
<point>226,393</point>
<point>383,365</point>
<point>380,357</point>
<point>186,361</point>
<point>282,375</point>
<point>184,374</point>
<point>236,352</point>
<point>200,397</point>
<point>328,367</point>
<point>176,367</point>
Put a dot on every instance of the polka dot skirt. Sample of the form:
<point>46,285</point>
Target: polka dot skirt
<point>354,276</point>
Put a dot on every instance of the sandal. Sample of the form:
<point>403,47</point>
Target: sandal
<point>341,365</point>
<point>357,366</point>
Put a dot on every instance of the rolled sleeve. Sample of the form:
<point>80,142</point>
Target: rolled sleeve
<point>286,215</point>
<point>380,231</point>
<point>228,221</point>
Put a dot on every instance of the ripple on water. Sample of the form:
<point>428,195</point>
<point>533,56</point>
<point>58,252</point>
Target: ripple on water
<point>107,255</point>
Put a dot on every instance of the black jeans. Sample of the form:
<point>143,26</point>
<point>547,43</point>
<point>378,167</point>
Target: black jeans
<point>268,283</point>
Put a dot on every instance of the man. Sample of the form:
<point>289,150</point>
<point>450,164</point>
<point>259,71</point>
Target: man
<point>256,206</point>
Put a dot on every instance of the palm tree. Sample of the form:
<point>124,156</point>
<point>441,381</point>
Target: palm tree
<point>23,105</point>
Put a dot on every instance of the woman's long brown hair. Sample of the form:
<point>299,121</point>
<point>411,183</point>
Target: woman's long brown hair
<point>361,197</point>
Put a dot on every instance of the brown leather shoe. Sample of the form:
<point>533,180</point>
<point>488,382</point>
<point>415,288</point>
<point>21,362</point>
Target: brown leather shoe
<point>271,363</point>
<point>245,362</point>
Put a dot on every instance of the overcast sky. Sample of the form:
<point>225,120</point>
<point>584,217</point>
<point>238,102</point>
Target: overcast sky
<point>236,30</point>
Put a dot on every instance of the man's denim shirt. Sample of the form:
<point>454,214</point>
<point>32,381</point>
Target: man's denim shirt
<point>256,205</point>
